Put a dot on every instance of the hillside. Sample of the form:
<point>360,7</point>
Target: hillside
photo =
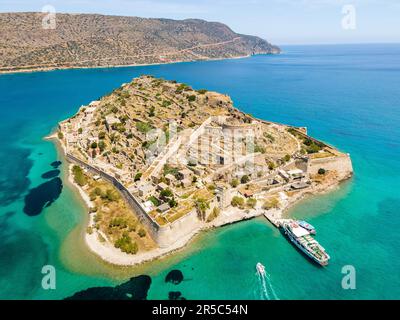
<point>91,40</point>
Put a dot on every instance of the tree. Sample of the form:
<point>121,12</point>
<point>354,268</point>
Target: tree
<point>79,177</point>
<point>321,171</point>
<point>286,158</point>
<point>237,201</point>
<point>80,130</point>
<point>142,232</point>
<point>60,135</point>
<point>126,244</point>
<point>102,135</point>
<point>138,176</point>
<point>202,206</point>
<point>271,165</point>
<point>102,146</point>
<point>110,195</point>
<point>152,111</point>
<point>166,193</point>
<point>251,202</point>
<point>97,191</point>
<point>93,145</point>
<point>234,183</point>
<point>172,203</point>
<point>191,98</point>
<point>244,179</point>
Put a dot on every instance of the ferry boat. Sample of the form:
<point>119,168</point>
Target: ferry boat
<point>301,238</point>
<point>307,226</point>
<point>260,269</point>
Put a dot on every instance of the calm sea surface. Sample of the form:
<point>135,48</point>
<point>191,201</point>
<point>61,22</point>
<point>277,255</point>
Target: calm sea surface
<point>346,95</point>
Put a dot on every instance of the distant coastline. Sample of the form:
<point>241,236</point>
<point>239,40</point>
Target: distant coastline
<point>140,42</point>
<point>49,69</point>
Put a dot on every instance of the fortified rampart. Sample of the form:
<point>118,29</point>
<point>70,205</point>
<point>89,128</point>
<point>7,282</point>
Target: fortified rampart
<point>164,235</point>
<point>340,163</point>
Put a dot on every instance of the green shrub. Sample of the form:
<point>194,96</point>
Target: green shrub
<point>79,176</point>
<point>234,183</point>
<point>172,203</point>
<point>269,136</point>
<point>191,98</point>
<point>166,103</point>
<point>166,193</point>
<point>251,202</point>
<point>244,179</point>
<point>142,232</point>
<point>118,222</point>
<point>237,201</point>
<point>258,148</point>
<point>321,171</point>
<point>110,195</point>
<point>152,111</point>
<point>97,191</point>
<point>138,176</point>
<point>102,146</point>
<point>143,127</point>
<point>271,165</point>
<point>126,244</point>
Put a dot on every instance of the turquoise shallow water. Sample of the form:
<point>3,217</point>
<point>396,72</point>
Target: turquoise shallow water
<point>346,95</point>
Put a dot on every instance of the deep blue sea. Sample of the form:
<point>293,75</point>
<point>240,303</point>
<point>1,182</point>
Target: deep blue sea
<point>346,95</point>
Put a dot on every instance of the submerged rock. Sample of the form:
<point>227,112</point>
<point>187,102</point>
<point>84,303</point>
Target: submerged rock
<point>134,289</point>
<point>174,276</point>
<point>42,196</point>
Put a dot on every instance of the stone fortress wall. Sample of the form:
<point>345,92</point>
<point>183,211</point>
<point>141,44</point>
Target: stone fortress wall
<point>341,164</point>
<point>164,236</point>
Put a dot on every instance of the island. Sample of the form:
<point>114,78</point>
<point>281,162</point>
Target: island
<point>157,162</point>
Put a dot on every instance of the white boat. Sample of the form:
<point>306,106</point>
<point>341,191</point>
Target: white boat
<point>307,226</point>
<point>301,238</point>
<point>260,269</point>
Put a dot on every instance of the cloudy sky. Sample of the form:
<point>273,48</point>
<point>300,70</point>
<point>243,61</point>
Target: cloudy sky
<point>279,21</point>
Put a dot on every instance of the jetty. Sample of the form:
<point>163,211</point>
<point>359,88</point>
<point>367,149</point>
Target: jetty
<point>274,216</point>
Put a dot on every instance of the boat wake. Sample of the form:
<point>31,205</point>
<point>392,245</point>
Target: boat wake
<point>266,290</point>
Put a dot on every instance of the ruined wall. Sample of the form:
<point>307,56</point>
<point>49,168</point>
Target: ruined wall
<point>162,235</point>
<point>178,229</point>
<point>342,164</point>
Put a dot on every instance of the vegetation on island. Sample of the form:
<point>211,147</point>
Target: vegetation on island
<point>112,216</point>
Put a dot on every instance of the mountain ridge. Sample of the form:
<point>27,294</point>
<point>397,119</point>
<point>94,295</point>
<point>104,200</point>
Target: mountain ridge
<point>95,40</point>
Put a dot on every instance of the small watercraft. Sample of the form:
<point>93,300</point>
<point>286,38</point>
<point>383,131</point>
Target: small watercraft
<point>307,226</point>
<point>260,269</point>
<point>301,238</point>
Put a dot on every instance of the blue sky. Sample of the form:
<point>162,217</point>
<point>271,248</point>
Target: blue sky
<point>279,21</point>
